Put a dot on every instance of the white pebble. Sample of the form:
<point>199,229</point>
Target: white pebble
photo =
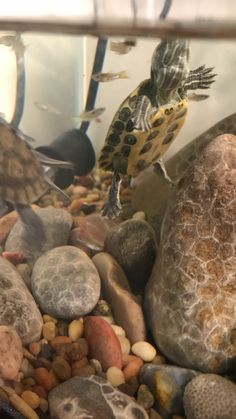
<point>144,350</point>
<point>75,330</point>
<point>119,331</point>
<point>108,319</point>
<point>125,344</point>
<point>115,376</point>
<point>139,215</point>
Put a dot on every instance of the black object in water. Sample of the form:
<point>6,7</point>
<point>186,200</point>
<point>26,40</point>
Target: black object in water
<point>7,411</point>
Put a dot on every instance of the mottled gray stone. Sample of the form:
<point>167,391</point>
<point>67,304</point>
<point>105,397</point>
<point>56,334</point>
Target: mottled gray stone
<point>191,296</point>
<point>146,198</point>
<point>92,397</point>
<point>17,306</point>
<point>167,383</point>
<point>133,245</point>
<point>65,283</point>
<point>126,309</point>
<point>57,223</point>
<point>210,396</point>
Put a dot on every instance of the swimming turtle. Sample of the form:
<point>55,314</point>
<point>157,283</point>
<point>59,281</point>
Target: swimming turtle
<point>149,119</point>
<point>23,179</point>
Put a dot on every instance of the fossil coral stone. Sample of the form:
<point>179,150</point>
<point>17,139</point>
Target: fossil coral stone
<point>17,306</point>
<point>191,296</point>
<point>210,396</point>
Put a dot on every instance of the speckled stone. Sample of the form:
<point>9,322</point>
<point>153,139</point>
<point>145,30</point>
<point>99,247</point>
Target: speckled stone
<point>132,244</point>
<point>17,306</point>
<point>10,353</point>
<point>57,224</point>
<point>190,299</point>
<point>145,197</point>
<point>65,283</point>
<point>210,396</point>
<point>92,397</point>
<point>167,383</point>
<point>115,289</point>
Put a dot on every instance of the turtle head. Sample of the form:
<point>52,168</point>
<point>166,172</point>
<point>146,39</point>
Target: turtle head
<point>169,68</point>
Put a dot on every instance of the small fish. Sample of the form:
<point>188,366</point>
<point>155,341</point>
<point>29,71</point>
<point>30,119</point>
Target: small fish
<point>93,114</point>
<point>104,77</point>
<point>119,47</point>
<point>13,41</point>
<point>47,108</point>
<point>197,97</point>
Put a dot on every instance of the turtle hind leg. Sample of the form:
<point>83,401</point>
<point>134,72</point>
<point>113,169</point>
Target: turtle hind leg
<point>160,169</point>
<point>113,207</point>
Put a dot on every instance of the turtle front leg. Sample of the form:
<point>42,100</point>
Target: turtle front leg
<point>113,207</point>
<point>160,169</point>
<point>142,114</point>
<point>200,78</point>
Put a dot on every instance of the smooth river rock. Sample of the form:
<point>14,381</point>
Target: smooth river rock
<point>92,397</point>
<point>11,353</point>
<point>133,245</point>
<point>167,383</point>
<point>57,223</point>
<point>17,306</point>
<point>126,309</point>
<point>210,396</point>
<point>190,299</point>
<point>65,283</point>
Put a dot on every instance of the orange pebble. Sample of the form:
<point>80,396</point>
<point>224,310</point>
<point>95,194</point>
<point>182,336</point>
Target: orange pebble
<point>55,380</point>
<point>34,348</point>
<point>39,390</point>
<point>80,363</point>
<point>76,205</point>
<point>43,378</point>
<point>58,340</point>
<point>132,365</point>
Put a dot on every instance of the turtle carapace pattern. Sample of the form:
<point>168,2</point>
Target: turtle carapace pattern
<point>150,118</point>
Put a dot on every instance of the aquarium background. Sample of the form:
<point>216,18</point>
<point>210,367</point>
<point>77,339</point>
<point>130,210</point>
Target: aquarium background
<point>58,71</point>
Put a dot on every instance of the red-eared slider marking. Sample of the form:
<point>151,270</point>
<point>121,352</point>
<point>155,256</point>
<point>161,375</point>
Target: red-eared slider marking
<point>168,138</point>
<point>126,149</point>
<point>158,122</point>
<point>173,127</point>
<point>153,135</point>
<point>118,126</point>
<point>108,149</point>
<point>182,113</point>
<point>113,139</point>
<point>169,111</point>
<point>129,126</point>
<point>124,114</point>
<point>146,148</point>
<point>130,140</point>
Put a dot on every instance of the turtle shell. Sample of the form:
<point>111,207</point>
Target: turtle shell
<point>21,174</point>
<point>141,148</point>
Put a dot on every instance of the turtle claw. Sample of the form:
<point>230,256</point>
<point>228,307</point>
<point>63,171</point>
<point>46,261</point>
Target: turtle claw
<point>111,210</point>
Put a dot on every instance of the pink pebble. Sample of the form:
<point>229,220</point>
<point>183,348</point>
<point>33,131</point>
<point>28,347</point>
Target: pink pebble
<point>103,343</point>
<point>14,257</point>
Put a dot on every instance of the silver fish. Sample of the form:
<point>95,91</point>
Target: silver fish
<point>89,115</point>
<point>104,77</point>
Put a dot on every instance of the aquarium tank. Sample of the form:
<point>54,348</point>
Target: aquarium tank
<point>117,209</point>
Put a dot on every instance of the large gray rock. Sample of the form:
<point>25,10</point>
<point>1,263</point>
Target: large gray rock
<point>17,306</point>
<point>65,283</point>
<point>92,397</point>
<point>57,223</point>
<point>210,396</point>
<point>133,245</point>
<point>191,296</point>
